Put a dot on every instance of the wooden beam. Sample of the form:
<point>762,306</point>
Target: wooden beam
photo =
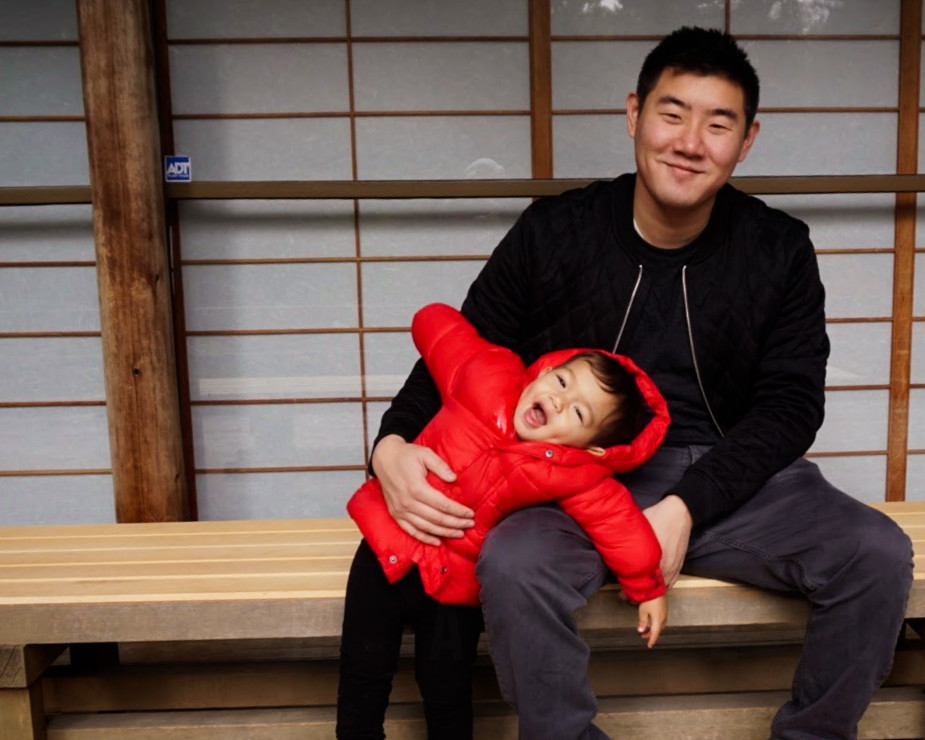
<point>907,155</point>
<point>132,266</point>
<point>22,714</point>
<point>541,88</point>
<point>894,713</point>
<point>21,665</point>
<point>498,188</point>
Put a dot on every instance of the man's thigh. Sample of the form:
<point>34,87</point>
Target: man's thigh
<point>794,534</point>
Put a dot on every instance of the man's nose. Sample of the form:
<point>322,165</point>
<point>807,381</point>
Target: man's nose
<point>690,141</point>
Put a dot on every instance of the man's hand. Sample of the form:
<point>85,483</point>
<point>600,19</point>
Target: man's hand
<point>652,617</point>
<point>672,524</point>
<point>419,508</point>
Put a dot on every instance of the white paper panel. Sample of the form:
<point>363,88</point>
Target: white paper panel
<point>48,299</point>
<point>853,221</point>
<point>470,147</point>
<point>915,478</point>
<point>815,16</point>
<point>591,146</point>
<point>436,227</point>
<point>917,419</point>
<point>798,74</point>
<point>392,292</point>
<point>918,352</point>
<point>860,354</point>
<point>259,78</point>
<point>54,438</point>
<point>863,478</point>
<point>46,233</point>
<point>281,435</point>
<point>785,146</point>
<point>51,369</point>
<point>247,19</point>
<point>275,495</point>
<point>249,229</point>
<point>427,18</point>
<point>40,81</point>
<point>854,421</point>
<point>274,366</point>
<point>57,499</point>
<point>266,149</point>
<point>595,74</point>
<point>389,358</point>
<point>43,154</point>
<point>270,296</point>
<point>857,285</point>
<point>38,20</point>
<point>441,76</point>
<point>593,17</point>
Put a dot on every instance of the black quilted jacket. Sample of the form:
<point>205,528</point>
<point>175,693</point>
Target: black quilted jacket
<point>563,277</point>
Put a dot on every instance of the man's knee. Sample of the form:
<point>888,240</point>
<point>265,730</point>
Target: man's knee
<point>539,554</point>
<point>511,551</point>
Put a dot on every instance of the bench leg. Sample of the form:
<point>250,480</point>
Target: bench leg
<point>22,713</point>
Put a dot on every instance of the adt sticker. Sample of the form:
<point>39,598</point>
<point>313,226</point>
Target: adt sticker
<point>177,168</point>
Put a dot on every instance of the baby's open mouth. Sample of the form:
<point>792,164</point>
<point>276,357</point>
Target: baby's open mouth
<point>535,416</point>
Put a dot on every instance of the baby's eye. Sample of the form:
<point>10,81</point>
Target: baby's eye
<point>561,380</point>
<point>578,413</point>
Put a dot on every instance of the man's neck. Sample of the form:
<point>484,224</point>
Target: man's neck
<point>669,228</point>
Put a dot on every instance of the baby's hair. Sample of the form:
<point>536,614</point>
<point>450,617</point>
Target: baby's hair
<point>626,420</point>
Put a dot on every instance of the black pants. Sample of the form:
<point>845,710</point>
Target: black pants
<point>445,641</point>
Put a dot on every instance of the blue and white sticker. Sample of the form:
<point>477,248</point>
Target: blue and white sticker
<point>177,168</point>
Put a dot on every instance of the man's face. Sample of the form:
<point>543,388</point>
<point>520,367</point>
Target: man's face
<point>565,405</point>
<point>689,136</point>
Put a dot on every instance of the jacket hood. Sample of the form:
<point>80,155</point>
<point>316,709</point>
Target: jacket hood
<point>619,458</point>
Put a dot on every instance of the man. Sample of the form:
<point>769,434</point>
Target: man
<point>718,297</point>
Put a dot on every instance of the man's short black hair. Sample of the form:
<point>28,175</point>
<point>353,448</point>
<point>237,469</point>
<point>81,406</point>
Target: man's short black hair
<point>627,419</point>
<point>702,51</point>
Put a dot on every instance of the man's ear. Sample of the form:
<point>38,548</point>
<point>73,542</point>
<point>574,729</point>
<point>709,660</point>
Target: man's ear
<point>750,137</point>
<point>632,114</point>
<point>596,451</point>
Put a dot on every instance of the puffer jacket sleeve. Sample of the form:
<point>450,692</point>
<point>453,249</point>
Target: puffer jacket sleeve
<point>446,341</point>
<point>622,535</point>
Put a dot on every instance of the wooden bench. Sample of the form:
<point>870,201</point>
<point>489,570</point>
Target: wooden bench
<point>229,630</point>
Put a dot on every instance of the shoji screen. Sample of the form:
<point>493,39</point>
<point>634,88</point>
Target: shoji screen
<point>54,445</point>
<point>297,312</point>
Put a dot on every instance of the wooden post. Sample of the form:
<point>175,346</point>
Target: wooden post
<point>907,162</point>
<point>131,253</point>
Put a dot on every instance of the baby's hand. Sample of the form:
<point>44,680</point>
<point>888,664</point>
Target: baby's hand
<point>652,617</point>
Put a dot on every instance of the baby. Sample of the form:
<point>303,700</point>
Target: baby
<point>515,437</point>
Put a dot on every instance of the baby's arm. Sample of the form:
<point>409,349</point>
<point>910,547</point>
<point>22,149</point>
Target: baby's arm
<point>622,535</point>
<point>652,617</point>
<point>445,340</point>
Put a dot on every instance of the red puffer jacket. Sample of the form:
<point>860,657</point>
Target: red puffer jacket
<point>480,384</point>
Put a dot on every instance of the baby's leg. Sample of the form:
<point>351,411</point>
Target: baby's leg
<point>446,638</point>
<point>370,642</point>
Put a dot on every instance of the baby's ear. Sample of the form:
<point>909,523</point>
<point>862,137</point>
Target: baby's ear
<point>596,451</point>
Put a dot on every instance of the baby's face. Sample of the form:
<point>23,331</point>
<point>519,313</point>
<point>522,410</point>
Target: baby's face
<point>565,405</point>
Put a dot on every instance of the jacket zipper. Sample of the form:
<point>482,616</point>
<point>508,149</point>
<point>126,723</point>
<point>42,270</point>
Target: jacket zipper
<point>628,307</point>
<point>690,336</point>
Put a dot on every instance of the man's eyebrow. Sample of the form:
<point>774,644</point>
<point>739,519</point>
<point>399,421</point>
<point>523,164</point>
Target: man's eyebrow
<point>724,112</point>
